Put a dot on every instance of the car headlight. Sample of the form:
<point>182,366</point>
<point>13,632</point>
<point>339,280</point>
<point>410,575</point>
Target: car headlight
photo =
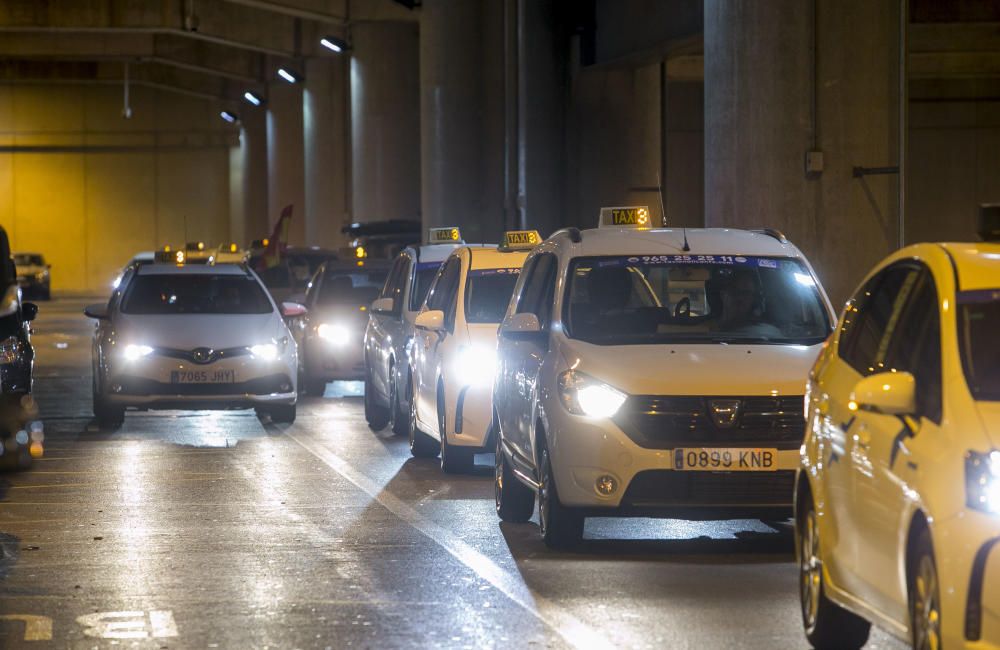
<point>334,333</point>
<point>982,481</point>
<point>583,395</point>
<point>10,350</point>
<point>265,351</point>
<point>475,365</point>
<point>41,275</point>
<point>134,352</point>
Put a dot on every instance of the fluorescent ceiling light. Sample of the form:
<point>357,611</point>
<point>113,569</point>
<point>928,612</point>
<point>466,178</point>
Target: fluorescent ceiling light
<point>252,98</point>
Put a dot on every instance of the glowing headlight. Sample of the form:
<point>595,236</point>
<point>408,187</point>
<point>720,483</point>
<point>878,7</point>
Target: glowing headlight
<point>134,352</point>
<point>334,333</point>
<point>265,351</point>
<point>475,365</point>
<point>982,481</point>
<point>584,395</point>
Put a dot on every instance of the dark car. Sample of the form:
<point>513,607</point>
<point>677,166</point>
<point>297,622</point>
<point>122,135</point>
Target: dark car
<point>330,335</point>
<point>291,274</point>
<point>383,239</point>
<point>33,275</point>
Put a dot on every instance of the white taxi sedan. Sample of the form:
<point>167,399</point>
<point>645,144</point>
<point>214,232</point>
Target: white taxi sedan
<point>453,354</point>
<point>192,337</point>
<point>654,372</point>
<point>898,497</point>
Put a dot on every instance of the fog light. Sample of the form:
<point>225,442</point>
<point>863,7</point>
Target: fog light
<point>606,485</point>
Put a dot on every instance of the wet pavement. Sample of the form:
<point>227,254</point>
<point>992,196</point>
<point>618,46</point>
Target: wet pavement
<point>213,530</point>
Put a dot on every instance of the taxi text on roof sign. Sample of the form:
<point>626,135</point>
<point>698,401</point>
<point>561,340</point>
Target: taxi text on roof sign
<point>634,216</point>
<point>445,236</point>
<point>520,240</point>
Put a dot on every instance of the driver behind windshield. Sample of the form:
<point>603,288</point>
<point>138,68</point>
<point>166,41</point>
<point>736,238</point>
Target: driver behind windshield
<point>742,307</point>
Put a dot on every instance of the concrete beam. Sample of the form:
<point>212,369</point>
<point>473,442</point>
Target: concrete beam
<point>954,50</point>
<point>297,10</point>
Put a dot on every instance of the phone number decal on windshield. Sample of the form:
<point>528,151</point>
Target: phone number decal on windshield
<point>511,271</point>
<point>724,260</point>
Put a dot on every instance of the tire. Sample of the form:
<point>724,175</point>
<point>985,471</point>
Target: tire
<point>376,415</point>
<point>282,413</point>
<point>399,420</point>
<point>923,586</point>
<point>314,387</point>
<point>109,417</point>
<point>454,460</point>
<point>561,527</point>
<point>827,625</point>
<point>421,445</point>
<point>515,501</point>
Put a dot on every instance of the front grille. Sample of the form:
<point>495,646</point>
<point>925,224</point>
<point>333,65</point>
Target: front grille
<point>139,386</point>
<point>665,488</point>
<point>661,422</point>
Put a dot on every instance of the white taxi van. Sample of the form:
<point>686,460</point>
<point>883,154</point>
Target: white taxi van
<point>654,372</point>
<point>453,357</point>
<point>388,385</point>
<point>175,336</point>
<point>898,497</point>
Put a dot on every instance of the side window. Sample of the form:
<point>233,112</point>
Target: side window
<point>444,285</point>
<point>539,289</point>
<point>312,289</point>
<point>395,283</point>
<point>916,347</point>
<point>873,315</point>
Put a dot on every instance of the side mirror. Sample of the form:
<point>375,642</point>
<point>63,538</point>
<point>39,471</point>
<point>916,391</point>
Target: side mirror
<point>28,311</point>
<point>889,393</point>
<point>382,306</point>
<point>293,309</point>
<point>98,311</point>
<point>520,327</point>
<point>432,320</point>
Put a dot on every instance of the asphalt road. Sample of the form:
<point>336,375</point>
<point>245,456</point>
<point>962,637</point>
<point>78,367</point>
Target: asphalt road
<point>212,530</point>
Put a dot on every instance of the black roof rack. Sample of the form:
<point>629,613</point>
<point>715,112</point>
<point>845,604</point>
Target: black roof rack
<point>573,234</point>
<point>772,232</point>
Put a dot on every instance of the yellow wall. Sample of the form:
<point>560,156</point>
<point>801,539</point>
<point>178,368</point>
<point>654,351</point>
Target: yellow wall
<point>89,189</point>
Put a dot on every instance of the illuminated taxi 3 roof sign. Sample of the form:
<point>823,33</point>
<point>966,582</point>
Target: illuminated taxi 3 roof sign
<point>520,240</point>
<point>633,216</point>
<point>449,235</point>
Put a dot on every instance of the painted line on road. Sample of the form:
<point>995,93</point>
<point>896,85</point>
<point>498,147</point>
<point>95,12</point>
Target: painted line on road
<point>570,628</point>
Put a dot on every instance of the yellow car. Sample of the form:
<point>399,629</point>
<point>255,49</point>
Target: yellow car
<point>898,492</point>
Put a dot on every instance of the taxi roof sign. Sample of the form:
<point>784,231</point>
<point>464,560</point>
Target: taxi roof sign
<point>631,216</point>
<point>449,235</point>
<point>170,257</point>
<point>520,240</point>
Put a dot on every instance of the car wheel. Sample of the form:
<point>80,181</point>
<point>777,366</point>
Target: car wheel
<point>109,416</point>
<point>315,387</point>
<point>924,596</point>
<point>561,527</point>
<point>421,445</point>
<point>454,460</point>
<point>827,625</point>
<point>282,413</point>
<point>377,416</point>
<point>398,418</point>
<point>515,501</point>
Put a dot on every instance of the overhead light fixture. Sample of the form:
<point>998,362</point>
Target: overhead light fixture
<point>333,43</point>
<point>230,117</point>
<point>253,98</point>
<point>290,77</point>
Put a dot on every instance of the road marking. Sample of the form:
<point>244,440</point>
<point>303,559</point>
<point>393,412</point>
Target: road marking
<point>36,628</point>
<point>129,625</point>
<point>570,628</point>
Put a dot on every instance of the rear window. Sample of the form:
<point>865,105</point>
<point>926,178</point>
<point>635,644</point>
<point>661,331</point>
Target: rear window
<point>195,294</point>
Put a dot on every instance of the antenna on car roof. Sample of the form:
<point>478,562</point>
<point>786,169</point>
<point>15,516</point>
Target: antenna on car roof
<point>663,212</point>
<point>685,247</point>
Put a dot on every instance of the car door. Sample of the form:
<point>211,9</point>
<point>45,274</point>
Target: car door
<point>525,356</point>
<point>910,343</point>
<point>441,295</point>
<point>862,327</point>
<point>384,328</point>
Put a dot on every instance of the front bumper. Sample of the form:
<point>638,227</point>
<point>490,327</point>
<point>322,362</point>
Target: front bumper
<point>329,362</point>
<point>967,550</point>
<point>647,482</point>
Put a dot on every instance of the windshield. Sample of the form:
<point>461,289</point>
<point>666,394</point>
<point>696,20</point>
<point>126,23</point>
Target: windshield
<point>354,287</point>
<point>24,259</point>
<point>422,278</point>
<point>487,292</point>
<point>195,294</point>
<point>693,299</point>
<point>978,323</point>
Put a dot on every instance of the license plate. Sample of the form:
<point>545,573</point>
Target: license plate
<point>202,376</point>
<point>736,459</point>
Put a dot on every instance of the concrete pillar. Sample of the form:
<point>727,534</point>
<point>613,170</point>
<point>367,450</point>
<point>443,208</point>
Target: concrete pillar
<point>285,157</point>
<point>683,152</point>
<point>385,121</point>
<point>462,156</point>
<point>780,82</point>
<point>253,163</point>
<point>324,121</point>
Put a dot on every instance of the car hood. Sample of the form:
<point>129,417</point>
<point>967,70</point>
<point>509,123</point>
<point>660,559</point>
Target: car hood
<point>989,414</point>
<point>189,331</point>
<point>709,369</point>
